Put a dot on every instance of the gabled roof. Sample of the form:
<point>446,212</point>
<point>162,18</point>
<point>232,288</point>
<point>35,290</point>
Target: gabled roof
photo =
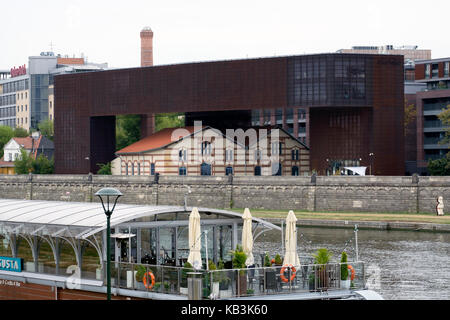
<point>164,138</point>
<point>269,132</point>
<point>157,140</point>
<point>34,146</point>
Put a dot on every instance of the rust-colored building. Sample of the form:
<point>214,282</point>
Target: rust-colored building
<point>354,102</point>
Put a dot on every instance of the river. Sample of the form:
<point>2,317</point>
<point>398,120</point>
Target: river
<point>405,265</point>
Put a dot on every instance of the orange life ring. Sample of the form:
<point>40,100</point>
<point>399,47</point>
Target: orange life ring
<point>352,272</point>
<point>283,278</point>
<point>144,279</point>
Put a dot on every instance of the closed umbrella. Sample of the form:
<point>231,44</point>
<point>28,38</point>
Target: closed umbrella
<point>291,256</point>
<point>247,237</point>
<point>195,243</point>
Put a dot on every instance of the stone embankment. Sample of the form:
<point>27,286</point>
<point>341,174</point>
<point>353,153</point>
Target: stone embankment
<point>316,193</point>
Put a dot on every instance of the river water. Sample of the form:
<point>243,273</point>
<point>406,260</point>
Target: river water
<point>406,265</point>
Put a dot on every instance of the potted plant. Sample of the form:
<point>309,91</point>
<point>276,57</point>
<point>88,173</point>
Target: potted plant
<point>215,278</point>
<point>183,284</point>
<point>278,260</point>
<point>139,275</point>
<point>224,280</point>
<point>345,281</point>
<point>321,258</point>
<point>267,262</point>
<point>239,258</point>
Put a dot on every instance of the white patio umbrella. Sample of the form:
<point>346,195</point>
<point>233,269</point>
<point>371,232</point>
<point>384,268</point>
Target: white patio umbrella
<point>247,237</point>
<point>195,241</point>
<point>291,256</point>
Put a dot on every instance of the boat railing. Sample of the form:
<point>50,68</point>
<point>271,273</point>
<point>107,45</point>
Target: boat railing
<point>232,283</point>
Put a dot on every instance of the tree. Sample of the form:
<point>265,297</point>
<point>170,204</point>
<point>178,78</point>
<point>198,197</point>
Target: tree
<point>104,168</point>
<point>128,130</point>
<point>440,167</point>
<point>6,133</point>
<point>42,165</point>
<point>444,116</point>
<point>24,163</point>
<point>46,128</point>
<point>169,120</point>
<point>20,133</point>
<point>409,116</point>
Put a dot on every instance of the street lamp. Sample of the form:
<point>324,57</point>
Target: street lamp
<point>371,161</point>
<point>108,192</point>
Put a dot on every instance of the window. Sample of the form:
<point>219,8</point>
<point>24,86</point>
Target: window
<point>276,169</point>
<point>446,69</point>
<point>229,155</point>
<point>294,154</point>
<point>182,155</point>
<point>427,70</point>
<point>138,165</point>
<point>182,171</point>
<point>126,168</point>
<point>258,155</point>
<point>205,169</point>
<point>277,148</point>
<point>228,170</point>
<point>132,169</point>
<point>295,171</point>
<point>206,148</point>
<point>152,169</point>
<point>257,171</point>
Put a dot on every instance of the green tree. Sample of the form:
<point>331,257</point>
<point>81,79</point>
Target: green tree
<point>46,128</point>
<point>6,133</point>
<point>169,120</point>
<point>444,116</point>
<point>409,116</point>
<point>128,130</point>
<point>24,163</point>
<point>42,165</point>
<point>104,168</point>
<point>20,133</point>
<point>440,167</point>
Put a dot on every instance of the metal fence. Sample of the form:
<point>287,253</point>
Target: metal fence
<point>231,283</point>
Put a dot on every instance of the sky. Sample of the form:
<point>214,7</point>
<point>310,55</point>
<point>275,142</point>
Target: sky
<point>200,30</point>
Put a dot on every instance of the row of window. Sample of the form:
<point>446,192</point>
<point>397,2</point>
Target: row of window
<point>14,86</point>
<point>8,100</point>
<point>277,148</point>
<point>205,170</point>
<point>432,70</point>
<point>7,112</point>
<point>20,95</point>
<point>21,108</point>
<point>19,121</point>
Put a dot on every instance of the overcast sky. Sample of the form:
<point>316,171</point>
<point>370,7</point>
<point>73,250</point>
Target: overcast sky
<point>201,30</point>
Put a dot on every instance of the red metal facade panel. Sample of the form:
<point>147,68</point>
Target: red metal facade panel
<point>420,71</point>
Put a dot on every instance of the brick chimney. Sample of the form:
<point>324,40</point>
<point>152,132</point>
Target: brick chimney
<point>146,47</point>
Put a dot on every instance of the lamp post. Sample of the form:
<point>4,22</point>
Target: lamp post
<point>108,192</point>
<point>371,160</point>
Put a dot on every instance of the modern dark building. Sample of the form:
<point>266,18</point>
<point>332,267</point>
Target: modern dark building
<point>435,74</point>
<point>353,104</point>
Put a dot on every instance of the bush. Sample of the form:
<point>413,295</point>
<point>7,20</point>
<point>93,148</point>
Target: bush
<point>344,266</point>
<point>267,262</point>
<point>140,272</point>
<point>322,256</point>
<point>239,258</point>
<point>278,260</point>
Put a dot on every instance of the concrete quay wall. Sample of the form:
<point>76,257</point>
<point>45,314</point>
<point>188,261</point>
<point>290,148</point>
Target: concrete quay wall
<point>308,193</point>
